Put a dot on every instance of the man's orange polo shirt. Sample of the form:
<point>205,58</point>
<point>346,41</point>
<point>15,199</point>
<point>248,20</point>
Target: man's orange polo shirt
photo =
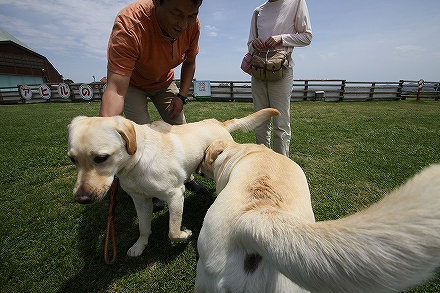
<point>138,48</point>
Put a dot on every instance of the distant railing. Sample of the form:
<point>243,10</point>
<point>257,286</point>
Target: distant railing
<point>334,90</point>
<point>303,90</point>
<point>342,90</point>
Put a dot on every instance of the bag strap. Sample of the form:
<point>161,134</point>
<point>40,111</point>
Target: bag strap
<point>267,54</point>
<point>256,12</point>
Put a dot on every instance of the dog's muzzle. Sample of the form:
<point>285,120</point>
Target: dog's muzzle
<point>84,198</point>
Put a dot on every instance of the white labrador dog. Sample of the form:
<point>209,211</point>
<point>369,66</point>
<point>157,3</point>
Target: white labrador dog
<point>260,234</point>
<point>151,160</point>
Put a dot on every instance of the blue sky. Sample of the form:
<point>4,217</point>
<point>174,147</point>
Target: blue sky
<point>353,40</point>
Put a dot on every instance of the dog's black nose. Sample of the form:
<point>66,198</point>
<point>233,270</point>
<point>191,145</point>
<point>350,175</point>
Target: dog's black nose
<point>83,198</point>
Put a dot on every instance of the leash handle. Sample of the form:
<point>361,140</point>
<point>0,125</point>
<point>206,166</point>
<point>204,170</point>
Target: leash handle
<point>110,229</point>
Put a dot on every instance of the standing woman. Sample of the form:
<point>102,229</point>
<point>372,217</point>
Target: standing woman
<point>277,24</point>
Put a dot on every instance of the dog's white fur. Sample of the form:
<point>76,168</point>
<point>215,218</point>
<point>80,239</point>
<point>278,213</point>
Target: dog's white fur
<point>151,160</point>
<point>260,234</point>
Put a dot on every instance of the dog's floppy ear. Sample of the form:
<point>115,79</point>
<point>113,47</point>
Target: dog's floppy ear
<point>214,150</point>
<point>211,154</point>
<point>126,129</point>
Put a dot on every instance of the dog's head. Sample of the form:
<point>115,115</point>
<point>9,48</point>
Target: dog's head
<point>206,166</point>
<point>99,147</point>
<point>222,157</point>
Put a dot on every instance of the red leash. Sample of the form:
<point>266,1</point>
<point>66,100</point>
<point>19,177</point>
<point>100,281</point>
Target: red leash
<point>110,230</point>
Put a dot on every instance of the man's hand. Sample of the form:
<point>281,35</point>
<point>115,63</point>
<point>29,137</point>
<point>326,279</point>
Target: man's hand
<point>175,107</point>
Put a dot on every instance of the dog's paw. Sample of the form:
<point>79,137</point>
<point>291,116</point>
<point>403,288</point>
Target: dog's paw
<point>137,248</point>
<point>181,236</point>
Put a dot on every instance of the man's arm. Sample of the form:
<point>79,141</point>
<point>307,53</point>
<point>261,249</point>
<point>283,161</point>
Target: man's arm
<point>186,76</point>
<point>112,102</point>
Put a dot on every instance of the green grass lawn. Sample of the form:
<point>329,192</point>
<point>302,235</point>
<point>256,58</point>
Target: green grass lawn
<point>352,153</point>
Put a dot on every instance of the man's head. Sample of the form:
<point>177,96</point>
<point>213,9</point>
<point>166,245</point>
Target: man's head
<point>175,16</point>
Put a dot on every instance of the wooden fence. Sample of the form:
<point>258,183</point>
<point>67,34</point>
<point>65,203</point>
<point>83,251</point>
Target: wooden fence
<point>303,90</point>
<point>333,90</point>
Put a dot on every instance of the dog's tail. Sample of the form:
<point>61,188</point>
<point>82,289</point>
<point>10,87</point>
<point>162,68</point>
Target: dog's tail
<point>390,246</point>
<point>251,121</point>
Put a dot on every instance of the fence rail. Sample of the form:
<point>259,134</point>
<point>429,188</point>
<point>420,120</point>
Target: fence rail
<point>303,90</point>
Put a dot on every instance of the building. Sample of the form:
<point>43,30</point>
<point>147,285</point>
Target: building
<point>19,64</point>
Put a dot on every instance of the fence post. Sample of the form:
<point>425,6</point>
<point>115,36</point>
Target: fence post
<point>342,93</point>
<point>437,92</point>
<point>19,92</point>
<point>73,93</point>
<point>400,90</point>
<point>371,95</point>
<point>231,87</point>
<point>306,89</point>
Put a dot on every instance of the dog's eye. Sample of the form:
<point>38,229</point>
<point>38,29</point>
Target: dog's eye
<point>72,159</point>
<point>100,159</point>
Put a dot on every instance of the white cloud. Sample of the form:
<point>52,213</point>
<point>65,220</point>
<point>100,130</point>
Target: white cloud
<point>64,27</point>
<point>219,15</point>
<point>410,48</point>
<point>347,42</point>
<point>211,30</point>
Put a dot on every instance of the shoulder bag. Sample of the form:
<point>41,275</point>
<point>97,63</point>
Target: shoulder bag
<point>270,65</point>
<point>247,59</point>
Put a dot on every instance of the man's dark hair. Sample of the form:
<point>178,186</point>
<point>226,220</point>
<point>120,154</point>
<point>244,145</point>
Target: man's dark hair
<point>196,2</point>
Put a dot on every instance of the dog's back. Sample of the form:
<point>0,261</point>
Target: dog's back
<point>256,178</point>
<point>393,245</point>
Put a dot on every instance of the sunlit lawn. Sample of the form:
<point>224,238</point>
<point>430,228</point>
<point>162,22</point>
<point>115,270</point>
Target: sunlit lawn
<point>352,152</point>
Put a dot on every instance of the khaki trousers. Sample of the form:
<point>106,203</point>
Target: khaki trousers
<point>274,94</point>
<point>136,104</point>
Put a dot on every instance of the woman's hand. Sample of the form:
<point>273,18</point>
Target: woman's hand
<point>273,41</point>
<point>258,44</point>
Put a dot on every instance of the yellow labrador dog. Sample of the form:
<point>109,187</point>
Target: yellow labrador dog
<point>151,160</point>
<point>260,234</point>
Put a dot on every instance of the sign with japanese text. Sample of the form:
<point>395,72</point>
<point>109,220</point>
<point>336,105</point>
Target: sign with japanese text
<point>86,92</point>
<point>64,90</point>
<point>26,92</point>
<point>44,91</point>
